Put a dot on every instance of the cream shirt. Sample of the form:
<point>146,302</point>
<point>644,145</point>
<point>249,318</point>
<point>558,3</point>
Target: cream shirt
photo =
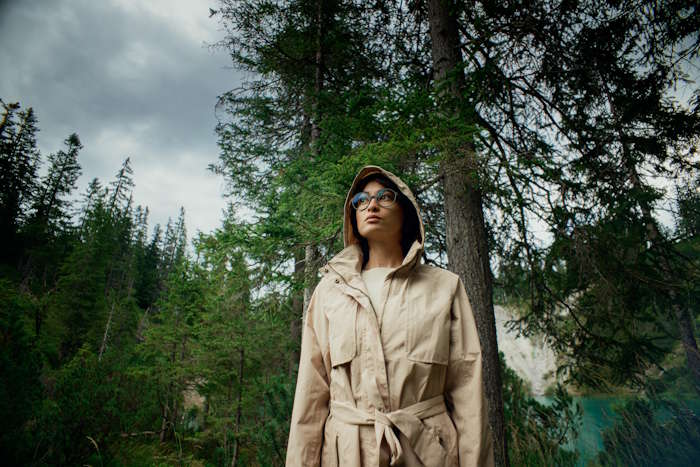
<point>374,280</point>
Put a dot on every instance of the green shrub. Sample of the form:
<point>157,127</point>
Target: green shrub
<point>536,433</point>
<point>650,433</point>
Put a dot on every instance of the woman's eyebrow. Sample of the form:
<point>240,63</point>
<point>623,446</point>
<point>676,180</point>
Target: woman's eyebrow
<point>365,191</point>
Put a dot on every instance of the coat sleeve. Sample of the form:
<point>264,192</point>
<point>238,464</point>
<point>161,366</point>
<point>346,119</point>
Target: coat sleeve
<point>311,396</point>
<point>464,386</point>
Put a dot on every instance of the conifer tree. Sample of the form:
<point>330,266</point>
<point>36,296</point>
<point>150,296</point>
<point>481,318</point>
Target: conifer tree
<point>50,219</point>
<point>51,208</point>
<point>601,86</point>
<point>120,193</point>
<point>286,129</point>
<point>227,334</point>
<point>167,347</point>
<point>19,161</point>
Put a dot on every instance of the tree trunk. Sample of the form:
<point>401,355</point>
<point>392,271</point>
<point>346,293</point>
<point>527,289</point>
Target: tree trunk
<point>467,248</point>
<point>237,426</point>
<point>318,79</point>
<point>306,270</point>
<point>690,345</point>
<point>310,258</point>
<point>311,252</point>
<point>103,346</point>
<point>295,324</point>
<point>163,422</point>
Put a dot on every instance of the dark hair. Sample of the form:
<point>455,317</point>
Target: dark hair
<point>410,229</point>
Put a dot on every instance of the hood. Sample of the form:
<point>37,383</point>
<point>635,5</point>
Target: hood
<point>348,235</point>
<point>348,263</point>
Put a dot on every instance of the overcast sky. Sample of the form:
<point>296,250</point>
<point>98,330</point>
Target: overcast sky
<point>133,78</point>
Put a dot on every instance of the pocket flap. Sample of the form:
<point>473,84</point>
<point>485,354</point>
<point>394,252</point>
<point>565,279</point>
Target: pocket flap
<point>428,332</point>
<point>342,333</point>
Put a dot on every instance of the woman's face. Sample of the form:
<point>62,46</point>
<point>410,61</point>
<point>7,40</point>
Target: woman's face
<point>379,223</point>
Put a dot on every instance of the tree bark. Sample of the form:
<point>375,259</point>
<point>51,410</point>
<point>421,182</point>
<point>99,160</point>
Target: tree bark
<point>311,252</point>
<point>295,324</point>
<point>467,248</point>
<point>103,346</point>
<point>237,426</point>
<point>318,80</point>
<point>310,258</point>
<point>307,272</point>
<point>163,422</point>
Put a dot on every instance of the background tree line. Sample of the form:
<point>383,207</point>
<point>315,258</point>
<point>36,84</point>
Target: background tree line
<point>534,135</point>
<point>112,334</point>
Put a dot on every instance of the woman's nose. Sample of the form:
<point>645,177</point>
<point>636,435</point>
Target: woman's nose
<point>373,204</point>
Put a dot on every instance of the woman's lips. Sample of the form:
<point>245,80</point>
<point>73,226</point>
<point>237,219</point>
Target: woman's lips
<point>373,219</point>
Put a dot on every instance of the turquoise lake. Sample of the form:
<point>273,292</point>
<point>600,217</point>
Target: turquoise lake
<point>598,414</point>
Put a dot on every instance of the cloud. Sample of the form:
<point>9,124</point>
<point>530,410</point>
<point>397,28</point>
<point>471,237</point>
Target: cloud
<point>132,78</point>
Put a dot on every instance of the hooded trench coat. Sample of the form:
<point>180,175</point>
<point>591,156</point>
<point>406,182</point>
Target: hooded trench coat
<point>399,385</point>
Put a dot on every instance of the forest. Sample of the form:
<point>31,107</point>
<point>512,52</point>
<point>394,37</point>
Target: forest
<point>552,146</point>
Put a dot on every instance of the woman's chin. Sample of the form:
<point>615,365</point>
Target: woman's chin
<point>380,235</point>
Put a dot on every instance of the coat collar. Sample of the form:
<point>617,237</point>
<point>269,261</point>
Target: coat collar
<point>348,263</point>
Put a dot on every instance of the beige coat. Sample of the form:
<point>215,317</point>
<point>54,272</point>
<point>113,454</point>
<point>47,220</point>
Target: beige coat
<point>406,377</point>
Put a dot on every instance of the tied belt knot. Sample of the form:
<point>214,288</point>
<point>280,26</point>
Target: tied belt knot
<point>407,420</point>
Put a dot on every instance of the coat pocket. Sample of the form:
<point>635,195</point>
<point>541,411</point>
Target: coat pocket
<point>342,331</point>
<point>444,429</point>
<point>428,330</point>
<point>329,452</point>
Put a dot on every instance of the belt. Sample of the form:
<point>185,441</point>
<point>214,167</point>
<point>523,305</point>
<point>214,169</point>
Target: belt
<point>407,420</point>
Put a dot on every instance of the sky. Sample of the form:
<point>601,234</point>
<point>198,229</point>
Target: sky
<point>133,78</point>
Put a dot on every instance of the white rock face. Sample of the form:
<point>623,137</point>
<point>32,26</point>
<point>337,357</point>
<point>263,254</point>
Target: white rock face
<point>531,358</point>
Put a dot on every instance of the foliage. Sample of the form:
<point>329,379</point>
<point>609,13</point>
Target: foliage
<point>537,433</point>
<point>19,162</point>
<point>580,121</point>
<point>70,318</point>
<point>276,409</point>
<point>652,432</point>
<point>20,366</point>
<point>89,401</point>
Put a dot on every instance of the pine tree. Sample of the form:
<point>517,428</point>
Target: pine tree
<point>227,334</point>
<point>120,193</point>
<point>48,229</point>
<point>240,354</point>
<point>167,347</point>
<point>289,126</point>
<point>51,209</point>
<point>602,86</point>
<point>19,161</point>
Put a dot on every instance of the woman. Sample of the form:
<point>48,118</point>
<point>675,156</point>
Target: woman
<point>390,367</point>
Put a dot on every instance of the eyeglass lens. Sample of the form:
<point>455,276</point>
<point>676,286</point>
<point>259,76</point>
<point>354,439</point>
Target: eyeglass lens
<point>385,198</point>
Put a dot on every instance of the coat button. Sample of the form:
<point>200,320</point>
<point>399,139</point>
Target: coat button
<point>337,281</point>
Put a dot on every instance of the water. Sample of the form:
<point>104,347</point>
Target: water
<point>599,414</point>
<point>536,363</point>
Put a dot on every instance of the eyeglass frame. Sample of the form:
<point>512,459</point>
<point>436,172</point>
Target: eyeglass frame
<point>376,197</point>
